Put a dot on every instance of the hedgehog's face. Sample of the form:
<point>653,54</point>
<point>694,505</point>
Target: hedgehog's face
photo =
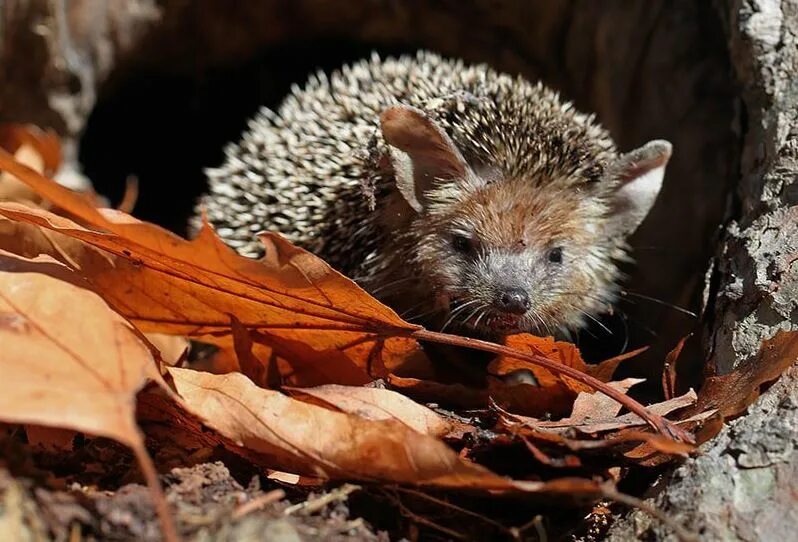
<point>505,255</point>
<point>504,258</point>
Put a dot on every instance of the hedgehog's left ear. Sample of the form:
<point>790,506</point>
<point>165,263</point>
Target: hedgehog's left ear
<point>422,153</point>
<point>640,172</point>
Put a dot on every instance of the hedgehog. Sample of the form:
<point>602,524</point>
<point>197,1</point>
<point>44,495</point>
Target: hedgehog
<point>466,199</point>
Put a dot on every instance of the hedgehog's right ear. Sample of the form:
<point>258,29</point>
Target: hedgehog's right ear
<point>640,172</point>
<point>421,152</point>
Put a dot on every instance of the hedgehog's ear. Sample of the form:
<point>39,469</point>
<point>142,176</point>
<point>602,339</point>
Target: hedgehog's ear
<point>640,172</point>
<point>421,152</point>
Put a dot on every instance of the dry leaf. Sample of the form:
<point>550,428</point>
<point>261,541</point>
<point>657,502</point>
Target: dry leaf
<point>45,143</point>
<point>51,439</point>
<point>669,369</point>
<point>554,394</point>
<point>597,406</point>
<point>40,151</point>
<point>378,404</point>
<point>596,425</point>
<point>309,440</point>
<point>563,352</point>
<point>67,359</point>
<point>731,394</point>
<point>191,288</point>
<point>172,348</point>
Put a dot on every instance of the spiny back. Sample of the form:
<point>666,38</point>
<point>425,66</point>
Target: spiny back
<point>305,170</point>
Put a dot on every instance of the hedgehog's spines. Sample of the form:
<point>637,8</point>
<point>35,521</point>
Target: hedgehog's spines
<point>315,169</point>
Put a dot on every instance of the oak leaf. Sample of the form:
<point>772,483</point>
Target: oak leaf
<point>166,284</point>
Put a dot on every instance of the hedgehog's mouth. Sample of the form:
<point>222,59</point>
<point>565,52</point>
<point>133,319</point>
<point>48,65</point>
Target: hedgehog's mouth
<point>495,322</point>
<point>504,322</point>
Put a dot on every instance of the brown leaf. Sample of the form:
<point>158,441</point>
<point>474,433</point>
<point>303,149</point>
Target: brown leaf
<point>731,394</point>
<point>306,439</point>
<point>36,149</point>
<point>596,425</point>
<point>172,348</point>
<point>669,369</point>
<point>170,285</point>
<point>597,406</point>
<point>377,404</point>
<point>51,439</point>
<point>554,394</point>
<point>69,361</point>
<point>45,143</point>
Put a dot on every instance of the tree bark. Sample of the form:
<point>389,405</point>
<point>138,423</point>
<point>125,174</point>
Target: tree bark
<point>742,487</point>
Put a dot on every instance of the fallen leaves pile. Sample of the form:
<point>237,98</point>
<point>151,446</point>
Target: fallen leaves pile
<point>309,378</point>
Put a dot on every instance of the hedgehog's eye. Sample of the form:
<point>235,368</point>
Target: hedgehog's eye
<point>462,243</point>
<point>555,255</point>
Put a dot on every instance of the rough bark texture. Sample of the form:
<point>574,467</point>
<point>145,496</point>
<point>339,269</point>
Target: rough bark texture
<point>718,80</point>
<point>743,486</point>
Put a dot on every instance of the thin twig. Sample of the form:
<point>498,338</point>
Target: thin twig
<point>313,506</point>
<point>259,502</point>
<point>460,509</point>
<point>657,422</point>
<point>158,498</point>
<point>537,523</point>
<point>405,511</point>
<point>681,532</point>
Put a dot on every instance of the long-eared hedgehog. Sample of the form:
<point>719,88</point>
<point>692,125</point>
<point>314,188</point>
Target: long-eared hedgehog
<point>464,198</point>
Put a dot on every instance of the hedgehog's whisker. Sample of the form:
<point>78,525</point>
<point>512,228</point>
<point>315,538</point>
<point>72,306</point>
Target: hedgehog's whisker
<point>457,311</point>
<point>596,320</point>
<point>481,315</point>
<point>422,315</point>
<point>471,315</point>
<point>627,293</point>
<point>391,284</point>
<point>406,313</point>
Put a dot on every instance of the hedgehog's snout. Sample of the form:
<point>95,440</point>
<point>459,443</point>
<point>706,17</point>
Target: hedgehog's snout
<point>512,300</point>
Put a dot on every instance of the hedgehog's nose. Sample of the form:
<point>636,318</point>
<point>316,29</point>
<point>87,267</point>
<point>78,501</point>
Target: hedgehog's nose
<point>514,300</point>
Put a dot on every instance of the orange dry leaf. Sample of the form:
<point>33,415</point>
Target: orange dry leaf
<point>170,285</point>
<point>302,438</point>
<point>36,149</point>
<point>307,439</point>
<point>553,394</point>
<point>377,404</point>
<point>44,143</point>
<point>601,424</point>
<point>595,424</point>
<point>731,394</point>
<point>69,361</point>
<point>564,352</point>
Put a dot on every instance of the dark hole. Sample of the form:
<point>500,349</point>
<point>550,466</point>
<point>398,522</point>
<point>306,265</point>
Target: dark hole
<point>165,128</point>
